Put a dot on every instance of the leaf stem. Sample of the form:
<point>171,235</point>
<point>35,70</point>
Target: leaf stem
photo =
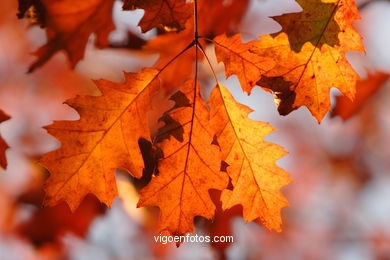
<point>196,34</point>
<point>209,62</point>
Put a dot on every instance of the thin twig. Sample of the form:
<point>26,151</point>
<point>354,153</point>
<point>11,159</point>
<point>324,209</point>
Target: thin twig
<point>196,34</point>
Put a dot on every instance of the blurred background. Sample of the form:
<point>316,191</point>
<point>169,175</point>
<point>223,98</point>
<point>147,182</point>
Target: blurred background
<point>339,202</point>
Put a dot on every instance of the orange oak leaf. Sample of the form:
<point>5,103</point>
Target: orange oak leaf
<point>189,167</point>
<point>69,26</point>
<point>3,144</point>
<point>105,138</point>
<point>345,108</point>
<point>169,15</point>
<point>241,60</point>
<point>320,63</point>
<point>306,69</point>
<point>255,177</point>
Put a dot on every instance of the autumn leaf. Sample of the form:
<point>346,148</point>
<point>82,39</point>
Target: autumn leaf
<point>241,60</point>
<point>169,15</point>
<point>321,63</point>
<point>345,108</point>
<point>69,26</point>
<point>306,68</point>
<point>3,144</point>
<point>190,165</point>
<point>105,138</point>
<point>255,177</point>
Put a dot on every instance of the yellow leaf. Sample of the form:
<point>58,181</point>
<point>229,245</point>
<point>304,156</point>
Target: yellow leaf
<point>255,177</point>
<point>309,56</point>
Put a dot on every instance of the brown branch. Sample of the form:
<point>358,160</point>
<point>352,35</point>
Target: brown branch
<point>196,34</point>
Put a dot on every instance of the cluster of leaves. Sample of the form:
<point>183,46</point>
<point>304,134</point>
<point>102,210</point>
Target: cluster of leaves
<point>202,145</point>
